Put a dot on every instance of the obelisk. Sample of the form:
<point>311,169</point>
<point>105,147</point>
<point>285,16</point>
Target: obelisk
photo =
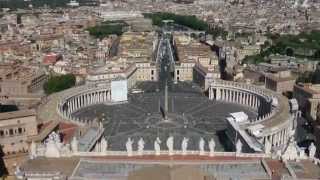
<point>166,101</point>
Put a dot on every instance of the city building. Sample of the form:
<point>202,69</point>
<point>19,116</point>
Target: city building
<point>19,80</point>
<point>308,97</point>
<point>281,81</point>
<point>133,61</point>
<point>195,61</point>
<point>16,128</point>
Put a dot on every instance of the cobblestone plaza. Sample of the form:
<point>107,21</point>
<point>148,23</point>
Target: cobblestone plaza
<point>190,113</point>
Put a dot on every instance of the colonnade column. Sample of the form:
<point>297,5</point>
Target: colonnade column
<point>218,94</point>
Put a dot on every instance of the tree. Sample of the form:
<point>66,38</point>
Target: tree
<point>316,77</point>
<point>59,83</point>
<point>289,52</point>
<point>107,28</point>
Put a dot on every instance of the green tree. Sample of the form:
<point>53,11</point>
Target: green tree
<point>188,21</point>
<point>316,77</point>
<point>59,83</point>
<point>107,28</point>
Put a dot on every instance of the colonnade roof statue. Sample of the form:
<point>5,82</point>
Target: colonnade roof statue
<point>184,145</point>
<point>212,146</point>
<point>129,146</point>
<point>170,144</point>
<point>201,146</point>
<point>312,150</point>
<point>104,144</point>
<point>157,143</point>
<point>140,146</point>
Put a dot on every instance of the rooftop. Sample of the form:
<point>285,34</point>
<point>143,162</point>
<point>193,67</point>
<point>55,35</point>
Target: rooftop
<point>17,114</point>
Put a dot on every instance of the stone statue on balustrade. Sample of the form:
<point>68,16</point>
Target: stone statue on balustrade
<point>53,146</point>
<point>267,146</point>
<point>66,150</point>
<point>157,143</point>
<point>212,146</point>
<point>312,150</point>
<point>129,146</point>
<point>41,149</point>
<point>140,146</point>
<point>170,145</point>
<point>201,146</point>
<point>104,145</point>
<point>74,144</point>
<point>184,145</point>
<point>239,146</point>
<point>33,150</point>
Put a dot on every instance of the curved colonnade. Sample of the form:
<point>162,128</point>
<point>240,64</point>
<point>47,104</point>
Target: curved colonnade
<point>273,109</point>
<point>73,99</point>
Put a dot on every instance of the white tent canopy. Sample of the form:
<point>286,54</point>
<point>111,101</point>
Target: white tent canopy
<point>239,116</point>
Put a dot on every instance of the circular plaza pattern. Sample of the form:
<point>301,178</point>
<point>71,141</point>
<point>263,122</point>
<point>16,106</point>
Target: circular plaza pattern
<point>190,114</point>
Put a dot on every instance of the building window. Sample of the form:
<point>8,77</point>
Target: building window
<point>10,132</point>
<point>20,130</point>
<point>177,72</point>
<point>152,72</point>
<point>1,133</point>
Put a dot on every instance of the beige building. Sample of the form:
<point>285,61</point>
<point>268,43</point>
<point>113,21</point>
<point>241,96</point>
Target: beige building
<point>15,129</point>
<point>308,97</point>
<point>134,61</point>
<point>280,82</point>
<point>17,80</point>
<point>196,61</point>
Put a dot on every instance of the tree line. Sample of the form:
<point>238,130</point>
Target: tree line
<point>107,28</point>
<point>59,83</point>
<point>186,20</point>
<point>306,42</point>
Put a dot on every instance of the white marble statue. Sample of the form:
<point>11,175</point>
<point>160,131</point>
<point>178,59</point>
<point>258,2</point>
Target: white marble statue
<point>129,146</point>
<point>312,150</point>
<point>212,146</point>
<point>103,145</point>
<point>302,153</point>
<point>292,151</point>
<point>19,174</point>
<point>52,149</point>
<point>184,145</point>
<point>239,146</point>
<point>41,149</point>
<point>267,147</point>
<point>201,146</point>
<point>140,146</point>
<point>33,150</point>
<point>74,144</point>
<point>170,145</point>
<point>157,143</point>
<point>66,150</point>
